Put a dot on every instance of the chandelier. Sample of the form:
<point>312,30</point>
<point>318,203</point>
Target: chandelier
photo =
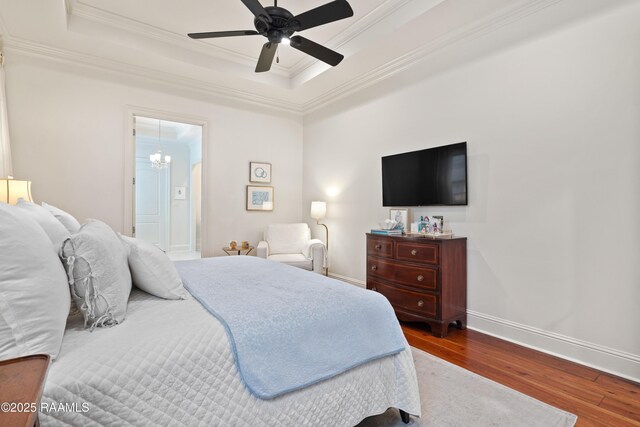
<point>157,160</point>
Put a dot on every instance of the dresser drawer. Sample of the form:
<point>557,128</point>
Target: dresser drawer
<point>420,277</point>
<point>380,247</point>
<point>418,252</point>
<point>416,302</point>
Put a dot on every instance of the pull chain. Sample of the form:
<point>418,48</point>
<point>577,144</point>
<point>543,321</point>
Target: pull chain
<point>277,52</point>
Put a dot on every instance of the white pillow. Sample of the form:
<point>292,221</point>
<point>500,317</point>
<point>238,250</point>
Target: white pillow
<point>152,270</point>
<point>68,220</point>
<point>55,230</point>
<point>34,295</point>
<point>98,273</point>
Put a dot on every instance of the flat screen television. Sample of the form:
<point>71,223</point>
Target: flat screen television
<point>435,176</point>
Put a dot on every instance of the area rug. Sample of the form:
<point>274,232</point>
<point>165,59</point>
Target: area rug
<point>453,396</point>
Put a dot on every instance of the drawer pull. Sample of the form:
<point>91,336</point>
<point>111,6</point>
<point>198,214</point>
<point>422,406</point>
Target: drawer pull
<point>414,252</point>
<point>420,303</point>
<point>420,278</point>
<point>374,289</point>
<point>374,267</point>
<point>378,246</point>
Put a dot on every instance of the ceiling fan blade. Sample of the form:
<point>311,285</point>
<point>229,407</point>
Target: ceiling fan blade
<point>266,57</point>
<point>256,8</point>
<point>223,34</point>
<point>330,12</point>
<point>320,52</point>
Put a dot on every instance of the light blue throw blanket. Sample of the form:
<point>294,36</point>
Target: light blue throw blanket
<point>291,328</point>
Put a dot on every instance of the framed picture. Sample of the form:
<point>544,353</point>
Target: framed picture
<point>401,216</point>
<point>259,198</point>
<point>436,224</point>
<point>180,193</point>
<point>259,172</point>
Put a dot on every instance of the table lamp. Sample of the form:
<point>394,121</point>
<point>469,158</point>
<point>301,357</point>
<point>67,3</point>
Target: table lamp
<point>13,189</point>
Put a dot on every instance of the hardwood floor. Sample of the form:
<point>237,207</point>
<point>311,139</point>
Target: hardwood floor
<point>597,398</point>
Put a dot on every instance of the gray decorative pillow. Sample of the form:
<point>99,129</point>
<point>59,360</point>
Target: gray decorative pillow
<point>98,273</point>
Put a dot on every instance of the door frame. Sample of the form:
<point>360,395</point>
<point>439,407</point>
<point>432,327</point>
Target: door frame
<point>129,166</point>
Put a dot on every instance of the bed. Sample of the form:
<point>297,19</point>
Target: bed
<point>170,363</point>
<point>252,342</point>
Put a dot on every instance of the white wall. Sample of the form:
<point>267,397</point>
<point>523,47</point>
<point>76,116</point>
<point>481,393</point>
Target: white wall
<point>68,132</point>
<point>553,135</point>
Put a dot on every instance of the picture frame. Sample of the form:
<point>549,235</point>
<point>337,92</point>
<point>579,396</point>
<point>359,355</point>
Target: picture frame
<point>436,224</point>
<point>180,193</point>
<point>260,172</point>
<point>401,216</point>
<point>259,198</point>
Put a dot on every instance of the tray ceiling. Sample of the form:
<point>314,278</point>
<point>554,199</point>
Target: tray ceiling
<point>146,40</point>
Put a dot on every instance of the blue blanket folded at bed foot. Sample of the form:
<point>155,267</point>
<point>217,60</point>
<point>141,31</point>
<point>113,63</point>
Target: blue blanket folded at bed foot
<point>291,328</point>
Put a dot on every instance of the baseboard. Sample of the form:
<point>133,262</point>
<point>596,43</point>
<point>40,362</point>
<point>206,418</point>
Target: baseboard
<point>616,362</point>
<point>356,282</point>
<point>606,359</point>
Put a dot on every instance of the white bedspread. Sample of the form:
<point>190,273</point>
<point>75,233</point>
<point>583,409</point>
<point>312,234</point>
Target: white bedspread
<point>169,363</point>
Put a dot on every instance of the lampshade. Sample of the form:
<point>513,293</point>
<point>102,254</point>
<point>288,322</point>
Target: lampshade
<point>13,189</point>
<point>318,210</point>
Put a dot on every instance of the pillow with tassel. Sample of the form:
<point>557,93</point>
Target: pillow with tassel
<point>98,273</point>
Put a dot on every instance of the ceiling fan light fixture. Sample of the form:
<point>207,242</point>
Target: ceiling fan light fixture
<point>278,25</point>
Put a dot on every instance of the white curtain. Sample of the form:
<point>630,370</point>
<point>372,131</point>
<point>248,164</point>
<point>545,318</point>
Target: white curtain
<point>6,168</point>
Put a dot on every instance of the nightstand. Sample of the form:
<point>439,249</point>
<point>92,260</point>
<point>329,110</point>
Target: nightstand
<point>238,250</point>
<point>22,382</point>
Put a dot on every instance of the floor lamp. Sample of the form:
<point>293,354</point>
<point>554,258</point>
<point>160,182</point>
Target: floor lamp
<point>319,211</point>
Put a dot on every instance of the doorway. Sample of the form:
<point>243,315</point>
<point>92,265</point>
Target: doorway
<point>167,186</point>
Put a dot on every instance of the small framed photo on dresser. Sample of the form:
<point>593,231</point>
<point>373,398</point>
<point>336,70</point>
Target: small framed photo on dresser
<point>260,172</point>
<point>401,216</point>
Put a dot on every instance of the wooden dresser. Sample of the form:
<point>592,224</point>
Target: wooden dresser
<point>424,279</point>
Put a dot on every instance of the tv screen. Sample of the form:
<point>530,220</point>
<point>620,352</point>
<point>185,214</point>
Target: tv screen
<point>435,176</point>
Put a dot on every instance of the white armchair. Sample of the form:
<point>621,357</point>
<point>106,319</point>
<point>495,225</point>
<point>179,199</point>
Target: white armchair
<point>292,244</point>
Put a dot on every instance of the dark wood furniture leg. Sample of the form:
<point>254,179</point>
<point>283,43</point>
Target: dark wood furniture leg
<point>405,416</point>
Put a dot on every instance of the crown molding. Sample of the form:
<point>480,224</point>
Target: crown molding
<point>361,25</point>
<point>380,73</point>
<point>38,50</point>
<point>395,66</point>
<point>80,10</point>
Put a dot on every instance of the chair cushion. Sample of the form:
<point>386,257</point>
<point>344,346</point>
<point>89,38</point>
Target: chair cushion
<point>287,238</point>
<point>296,260</point>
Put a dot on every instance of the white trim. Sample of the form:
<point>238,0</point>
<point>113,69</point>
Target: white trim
<point>38,50</point>
<point>606,359</point>
<point>616,362</point>
<point>372,18</point>
<point>141,29</point>
<point>350,280</point>
<point>382,72</point>
<point>473,31</point>
<point>129,171</point>
<point>181,248</point>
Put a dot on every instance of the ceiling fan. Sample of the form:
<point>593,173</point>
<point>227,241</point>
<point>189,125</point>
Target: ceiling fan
<point>277,24</point>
